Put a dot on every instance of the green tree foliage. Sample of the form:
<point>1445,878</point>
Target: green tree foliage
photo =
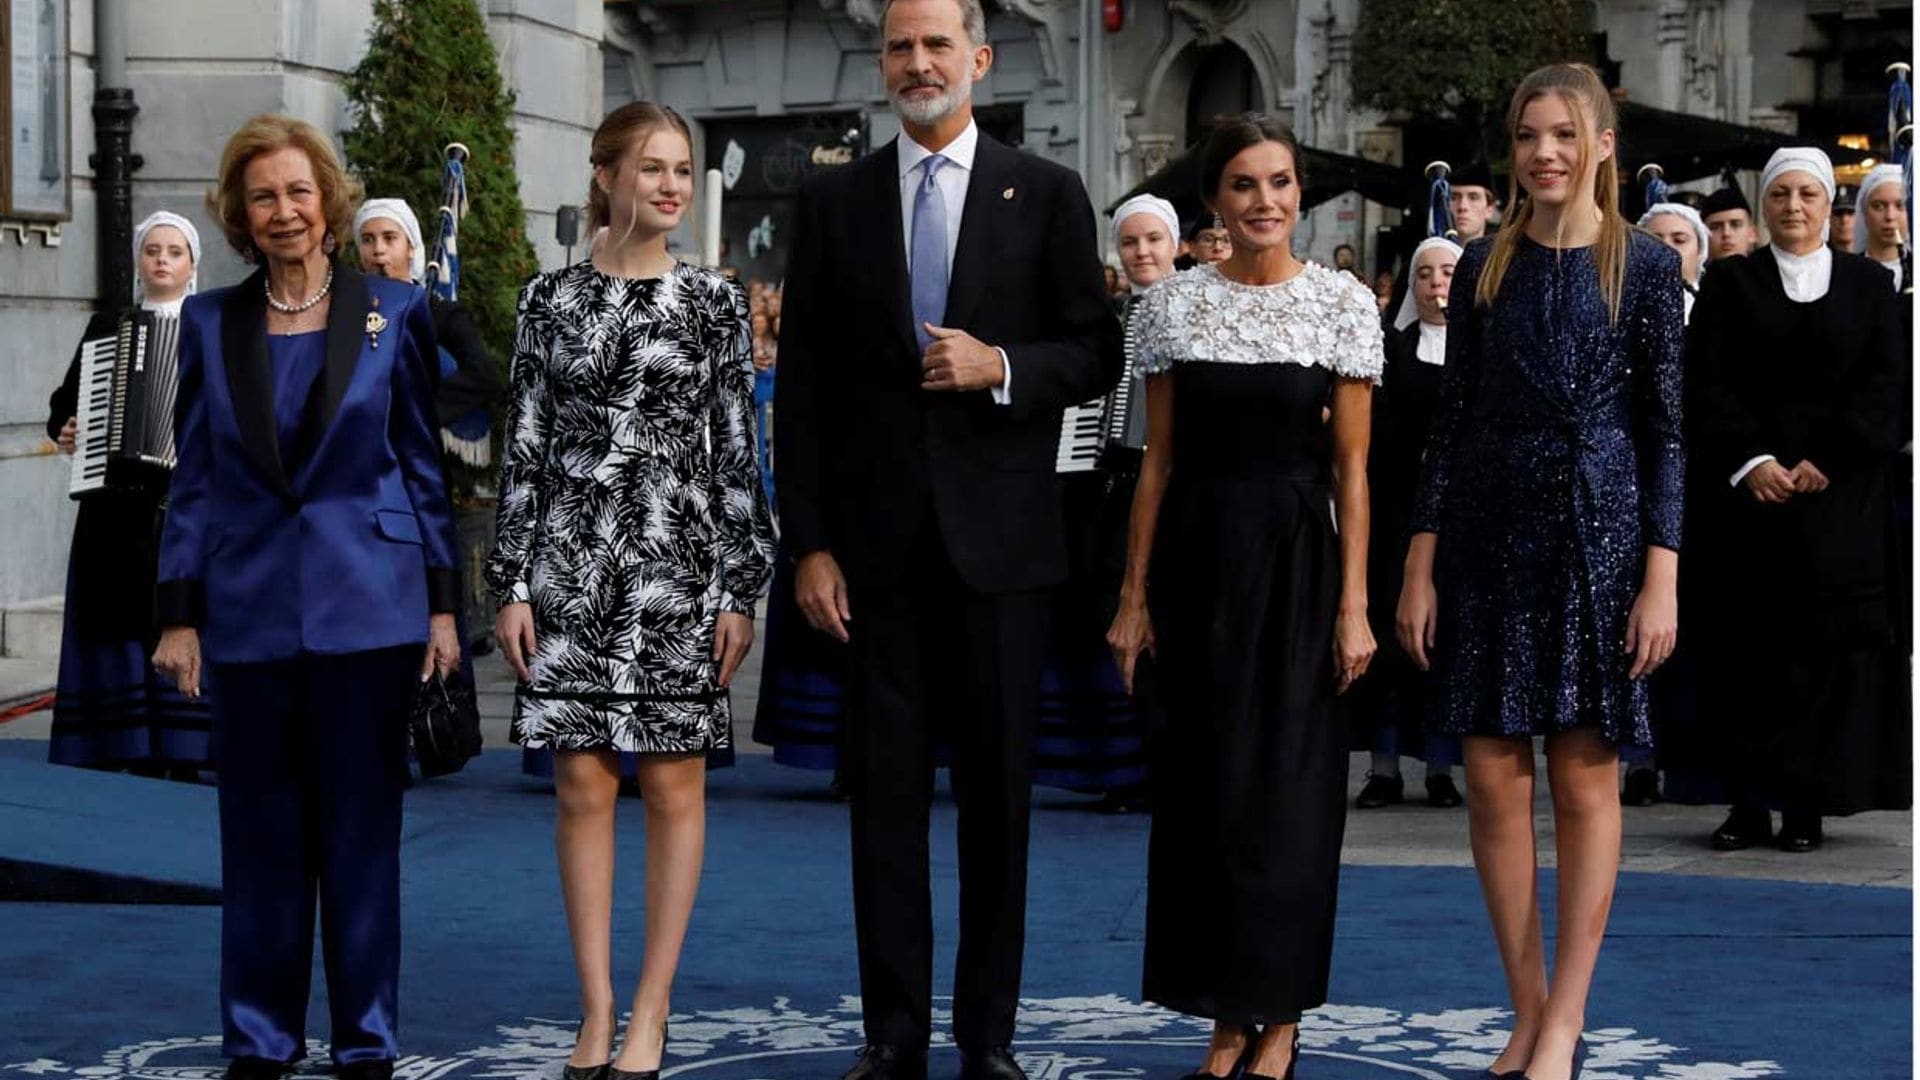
<point>429,78</point>
<point>1455,63</point>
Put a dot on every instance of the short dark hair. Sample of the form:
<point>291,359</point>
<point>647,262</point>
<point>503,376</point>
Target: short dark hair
<point>1342,246</point>
<point>972,16</point>
<point>1234,134</point>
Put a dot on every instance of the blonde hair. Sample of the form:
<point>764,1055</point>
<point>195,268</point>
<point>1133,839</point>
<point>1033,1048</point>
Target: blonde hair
<point>267,134</point>
<point>1586,96</point>
<point>617,133</point>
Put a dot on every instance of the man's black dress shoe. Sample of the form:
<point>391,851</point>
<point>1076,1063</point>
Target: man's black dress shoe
<point>1381,791</point>
<point>365,1070</point>
<point>1441,792</point>
<point>1743,828</point>
<point>994,1064</point>
<point>1800,833</point>
<point>253,1068</point>
<point>881,1062</point>
<point>1641,789</point>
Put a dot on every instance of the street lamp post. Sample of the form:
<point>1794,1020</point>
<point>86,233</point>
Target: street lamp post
<point>113,159</point>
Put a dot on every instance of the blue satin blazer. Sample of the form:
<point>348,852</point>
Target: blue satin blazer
<point>355,547</point>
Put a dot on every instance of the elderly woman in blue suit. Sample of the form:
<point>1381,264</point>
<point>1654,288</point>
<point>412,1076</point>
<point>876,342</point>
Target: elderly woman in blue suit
<point>308,559</point>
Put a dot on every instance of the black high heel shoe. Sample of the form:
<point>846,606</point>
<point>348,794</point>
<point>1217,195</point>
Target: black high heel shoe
<point>650,1074</point>
<point>1293,1062</point>
<point>593,1072</point>
<point>1240,1066</point>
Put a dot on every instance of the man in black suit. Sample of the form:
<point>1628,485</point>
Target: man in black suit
<point>944,303</point>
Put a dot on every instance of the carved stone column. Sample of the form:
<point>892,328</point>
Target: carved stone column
<point>1670,36</point>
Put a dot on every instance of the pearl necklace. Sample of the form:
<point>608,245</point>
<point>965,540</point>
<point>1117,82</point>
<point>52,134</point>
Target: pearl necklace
<point>304,305</point>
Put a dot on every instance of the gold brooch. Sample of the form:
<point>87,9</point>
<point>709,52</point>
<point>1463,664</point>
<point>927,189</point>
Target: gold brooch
<point>376,322</point>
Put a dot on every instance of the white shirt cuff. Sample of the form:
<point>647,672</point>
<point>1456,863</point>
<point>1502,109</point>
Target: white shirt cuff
<point>1003,394</point>
<point>1749,467</point>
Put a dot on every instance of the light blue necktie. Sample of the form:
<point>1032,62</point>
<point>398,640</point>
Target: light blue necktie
<point>928,271</point>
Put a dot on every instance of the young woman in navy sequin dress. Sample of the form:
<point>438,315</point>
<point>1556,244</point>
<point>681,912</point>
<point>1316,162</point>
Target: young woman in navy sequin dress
<point>1540,580</point>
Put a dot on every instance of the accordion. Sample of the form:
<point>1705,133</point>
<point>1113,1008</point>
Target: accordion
<point>124,421</point>
<point>1090,430</point>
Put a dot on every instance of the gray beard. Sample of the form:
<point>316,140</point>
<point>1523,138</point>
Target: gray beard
<point>925,113</point>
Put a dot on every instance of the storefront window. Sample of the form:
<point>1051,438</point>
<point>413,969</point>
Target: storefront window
<point>33,97</point>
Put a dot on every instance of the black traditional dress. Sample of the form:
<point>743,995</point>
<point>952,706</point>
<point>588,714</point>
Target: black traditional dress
<point>1250,786</point>
<point>1391,705</point>
<point>111,708</point>
<point>1555,463</point>
<point>1804,669</point>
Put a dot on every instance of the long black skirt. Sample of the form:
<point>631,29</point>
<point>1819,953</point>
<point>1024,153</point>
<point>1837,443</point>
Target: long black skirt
<point>111,709</point>
<point>1250,777</point>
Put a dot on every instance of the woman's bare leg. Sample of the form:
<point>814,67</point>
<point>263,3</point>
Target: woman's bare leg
<point>1500,822</point>
<point>1581,770</point>
<point>586,786</point>
<point>675,792</point>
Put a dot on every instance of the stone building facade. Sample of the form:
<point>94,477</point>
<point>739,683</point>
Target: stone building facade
<point>779,88</point>
<point>198,70</point>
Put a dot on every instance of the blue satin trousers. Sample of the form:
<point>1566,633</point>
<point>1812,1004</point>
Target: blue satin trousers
<point>312,754</point>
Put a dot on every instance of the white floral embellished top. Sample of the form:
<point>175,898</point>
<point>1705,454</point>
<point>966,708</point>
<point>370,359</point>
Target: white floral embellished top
<point>1320,317</point>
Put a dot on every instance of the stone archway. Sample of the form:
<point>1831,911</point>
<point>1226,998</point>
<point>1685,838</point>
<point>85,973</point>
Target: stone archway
<point>1224,83</point>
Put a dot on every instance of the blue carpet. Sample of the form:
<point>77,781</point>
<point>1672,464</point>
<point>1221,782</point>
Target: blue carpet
<point>1702,979</point>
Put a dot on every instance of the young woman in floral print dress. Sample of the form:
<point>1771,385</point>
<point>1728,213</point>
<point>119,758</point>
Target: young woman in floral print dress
<point>633,540</point>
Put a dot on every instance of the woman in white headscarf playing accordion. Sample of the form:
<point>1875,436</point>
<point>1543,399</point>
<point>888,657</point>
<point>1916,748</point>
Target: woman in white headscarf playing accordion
<point>111,710</point>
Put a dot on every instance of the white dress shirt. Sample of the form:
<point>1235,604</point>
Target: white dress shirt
<point>952,181</point>
<point>1806,278</point>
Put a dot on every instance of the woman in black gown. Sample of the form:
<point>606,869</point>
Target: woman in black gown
<point>1796,381</point>
<point>1257,615</point>
<point>1549,517</point>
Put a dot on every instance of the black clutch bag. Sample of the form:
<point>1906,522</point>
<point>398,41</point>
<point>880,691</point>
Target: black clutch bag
<point>444,725</point>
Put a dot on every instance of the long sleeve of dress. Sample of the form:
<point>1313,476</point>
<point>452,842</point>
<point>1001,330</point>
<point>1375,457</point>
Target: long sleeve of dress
<point>476,382</point>
<point>745,525</point>
<point>64,403</point>
<point>1726,432</point>
<point>523,462</point>
<point>1458,387</point>
<point>1660,345</point>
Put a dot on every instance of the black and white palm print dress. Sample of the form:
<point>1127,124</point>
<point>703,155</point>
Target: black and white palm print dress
<point>631,512</point>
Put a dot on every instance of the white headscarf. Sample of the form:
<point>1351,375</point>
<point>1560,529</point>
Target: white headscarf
<point>397,211</point>
<point>1409,308</point>
<point>1807,159</point>
<point>147,225</point>
<point>1685,213</point>
<point>1147,204</point>
<point>1881,174</point>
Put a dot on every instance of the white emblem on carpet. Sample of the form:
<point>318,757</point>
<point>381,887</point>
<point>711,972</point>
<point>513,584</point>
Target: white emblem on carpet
<point>1081,1038</point>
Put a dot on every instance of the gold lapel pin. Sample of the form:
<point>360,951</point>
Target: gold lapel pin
<point>1007,194</point>
<point>376,322</point>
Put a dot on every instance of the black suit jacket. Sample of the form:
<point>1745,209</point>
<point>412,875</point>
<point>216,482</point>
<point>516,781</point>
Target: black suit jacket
<point>869,462</point>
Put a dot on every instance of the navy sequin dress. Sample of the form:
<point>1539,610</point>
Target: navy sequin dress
<point>1555,462</point>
